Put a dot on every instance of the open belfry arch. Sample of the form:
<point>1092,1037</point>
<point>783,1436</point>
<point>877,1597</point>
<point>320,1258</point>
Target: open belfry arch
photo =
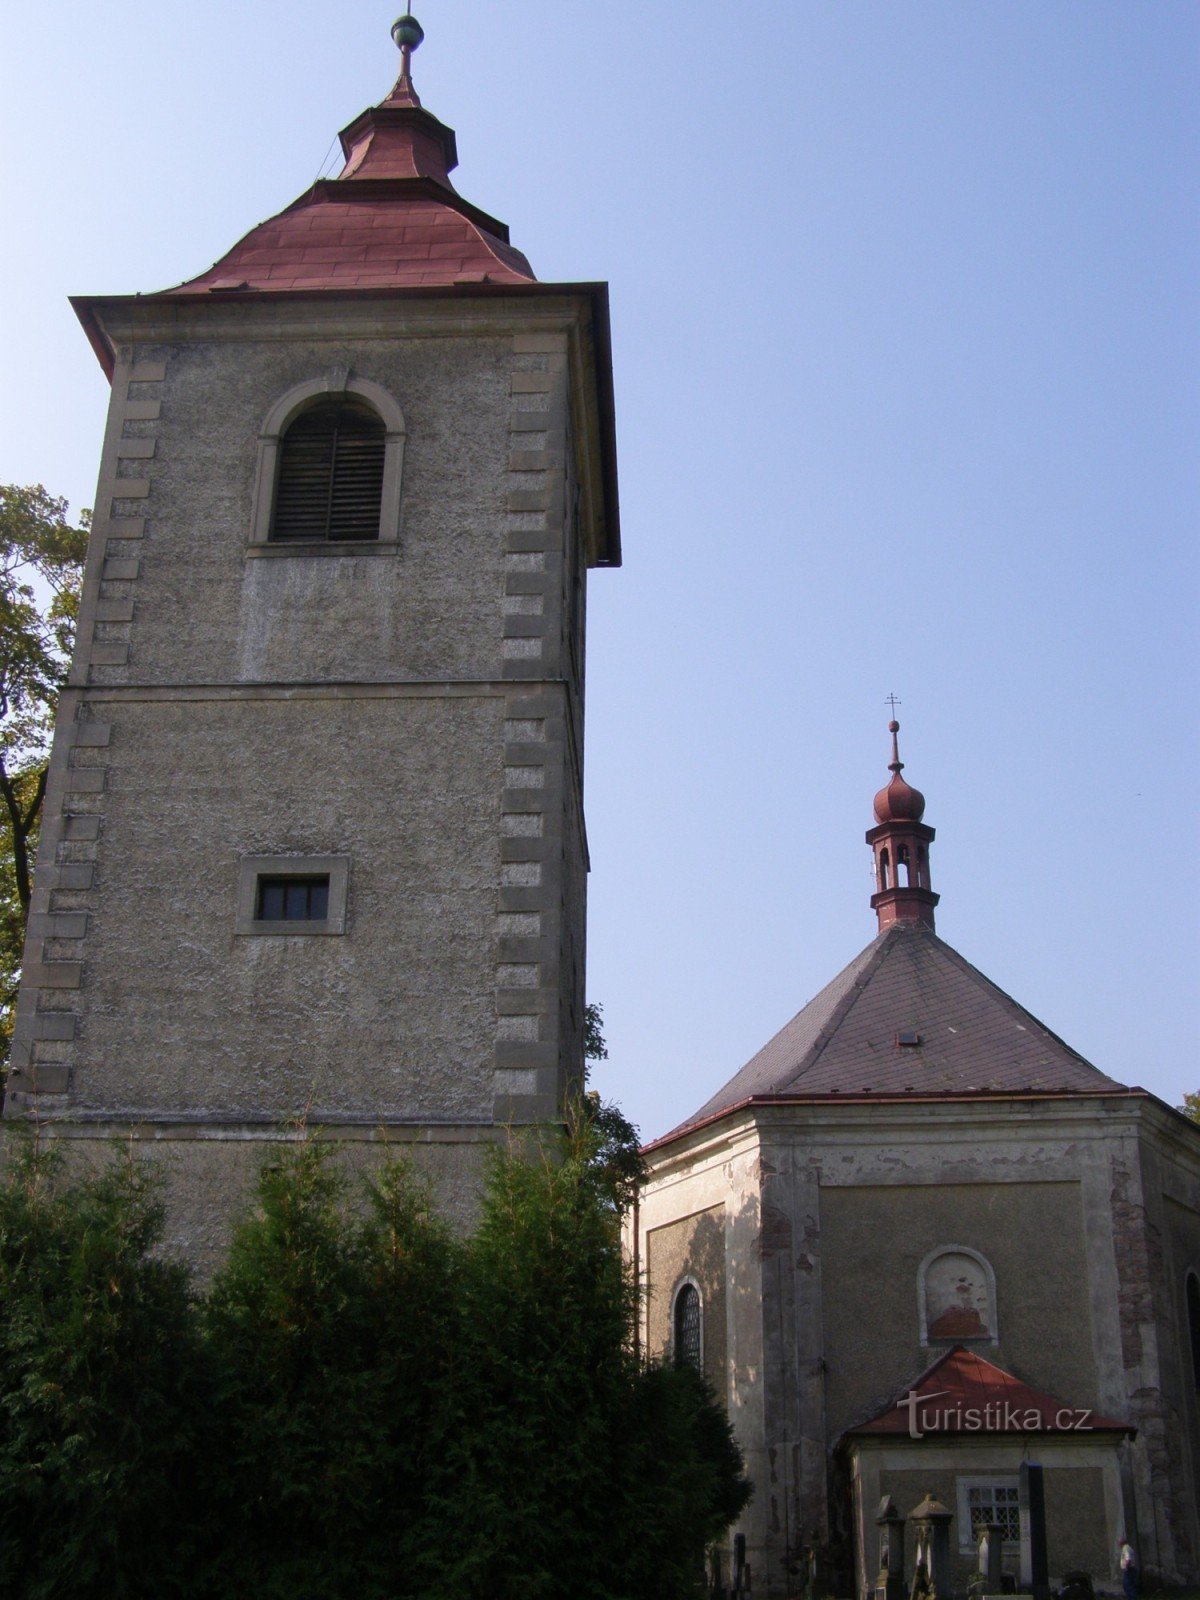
<point>313,839</point>
<point>929,1243</point>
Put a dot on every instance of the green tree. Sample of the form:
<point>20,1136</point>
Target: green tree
<point>625,1473</point>
<point>363,1406</point>
<point>616,1141</point>
<point>333,1332</point>
<point>409,1416</point>
<point>102,1401</point>
<point>41,572</point>
<point>1191,1106</point>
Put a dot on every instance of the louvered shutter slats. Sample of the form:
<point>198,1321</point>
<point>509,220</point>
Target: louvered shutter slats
<point>330,481</point>
<point>358,486</point>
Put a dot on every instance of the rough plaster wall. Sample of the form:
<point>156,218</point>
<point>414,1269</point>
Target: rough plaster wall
<point>693,1247</point>
<point>1166,1519</point>
<point>180,605</point>
<point>395,1018</point>
<point>1077,1535</point>
<point>1180,1391</point>
<point>794,1437</point>
<point>209,1183</point>
<point>873,1241</point>
<point>206,613</point>
<point>841,1203</point>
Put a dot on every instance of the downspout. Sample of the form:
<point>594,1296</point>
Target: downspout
<point>637,1278</point>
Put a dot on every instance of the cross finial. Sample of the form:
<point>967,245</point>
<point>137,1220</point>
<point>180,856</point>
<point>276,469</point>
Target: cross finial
<point>894,728</point>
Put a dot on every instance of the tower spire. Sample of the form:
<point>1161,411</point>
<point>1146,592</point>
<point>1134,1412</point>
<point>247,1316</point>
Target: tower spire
<point>398,138</point>
<point>408,34</point>
<point>900,841</point>
<point>391,219</point>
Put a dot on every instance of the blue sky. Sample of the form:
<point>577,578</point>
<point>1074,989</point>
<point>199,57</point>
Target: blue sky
<point>905,338</point>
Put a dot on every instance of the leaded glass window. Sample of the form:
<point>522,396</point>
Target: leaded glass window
<point>995,1502</point>
<point>687,1327</point>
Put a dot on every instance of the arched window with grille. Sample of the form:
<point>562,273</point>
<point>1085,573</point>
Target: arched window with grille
<point>330,470</point>
<point>330,462</point>
<point>688,1329</point>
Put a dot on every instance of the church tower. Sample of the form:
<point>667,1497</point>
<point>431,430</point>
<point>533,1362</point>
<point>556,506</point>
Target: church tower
<point>313,840</point>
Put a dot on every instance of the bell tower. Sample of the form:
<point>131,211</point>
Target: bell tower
<point>313,840</point>
<point>900,842</point>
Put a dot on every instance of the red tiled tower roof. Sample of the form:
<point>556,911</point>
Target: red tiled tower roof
<point>391,219</point>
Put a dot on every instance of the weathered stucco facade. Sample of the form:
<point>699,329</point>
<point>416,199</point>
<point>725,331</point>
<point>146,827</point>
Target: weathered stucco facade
<point>405,711</point>
<point>914,1115</point>
<point>827,1214</point>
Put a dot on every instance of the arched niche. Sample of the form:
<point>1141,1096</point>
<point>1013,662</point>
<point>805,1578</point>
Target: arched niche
<point>956,1297</point>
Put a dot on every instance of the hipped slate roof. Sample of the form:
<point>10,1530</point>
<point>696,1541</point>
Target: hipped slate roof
<point>972,1037</point>
<point>962,1392</point>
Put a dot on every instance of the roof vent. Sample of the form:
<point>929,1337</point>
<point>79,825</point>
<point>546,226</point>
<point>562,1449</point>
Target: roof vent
<point>907,1038</point>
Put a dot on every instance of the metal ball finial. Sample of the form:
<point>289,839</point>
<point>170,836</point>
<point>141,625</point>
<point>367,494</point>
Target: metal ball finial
<point>407,32</point>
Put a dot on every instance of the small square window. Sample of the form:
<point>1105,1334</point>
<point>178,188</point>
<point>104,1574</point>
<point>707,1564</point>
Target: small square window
<point>290,895</point>
<point>293,899</point>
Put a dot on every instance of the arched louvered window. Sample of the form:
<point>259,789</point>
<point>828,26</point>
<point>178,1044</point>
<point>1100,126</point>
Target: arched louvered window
<point>688,1351</point>
<point>330,473</point>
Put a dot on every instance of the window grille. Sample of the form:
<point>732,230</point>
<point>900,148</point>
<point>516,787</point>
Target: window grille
<point>293,899</point>
<point>687,1327</point>
<point>995,1502</point>
<point>330,483</point>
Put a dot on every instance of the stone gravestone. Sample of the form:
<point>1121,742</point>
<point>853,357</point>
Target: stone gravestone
<point>931,1524</point>
<point>890,1583</point>
<point>821,1572</point>
<point>988,1577</point>
<point>1035,1571</point>
<point>741,1567</point>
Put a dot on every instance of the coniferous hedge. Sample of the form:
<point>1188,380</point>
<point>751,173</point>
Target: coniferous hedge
<point>361,1407</point>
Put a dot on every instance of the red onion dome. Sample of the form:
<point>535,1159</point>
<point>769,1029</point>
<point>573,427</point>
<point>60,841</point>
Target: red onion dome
<point>899,802</point>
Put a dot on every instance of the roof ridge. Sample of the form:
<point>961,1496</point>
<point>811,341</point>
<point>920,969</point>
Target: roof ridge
<point>845,1005</point>
<point>1015,1005</point>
